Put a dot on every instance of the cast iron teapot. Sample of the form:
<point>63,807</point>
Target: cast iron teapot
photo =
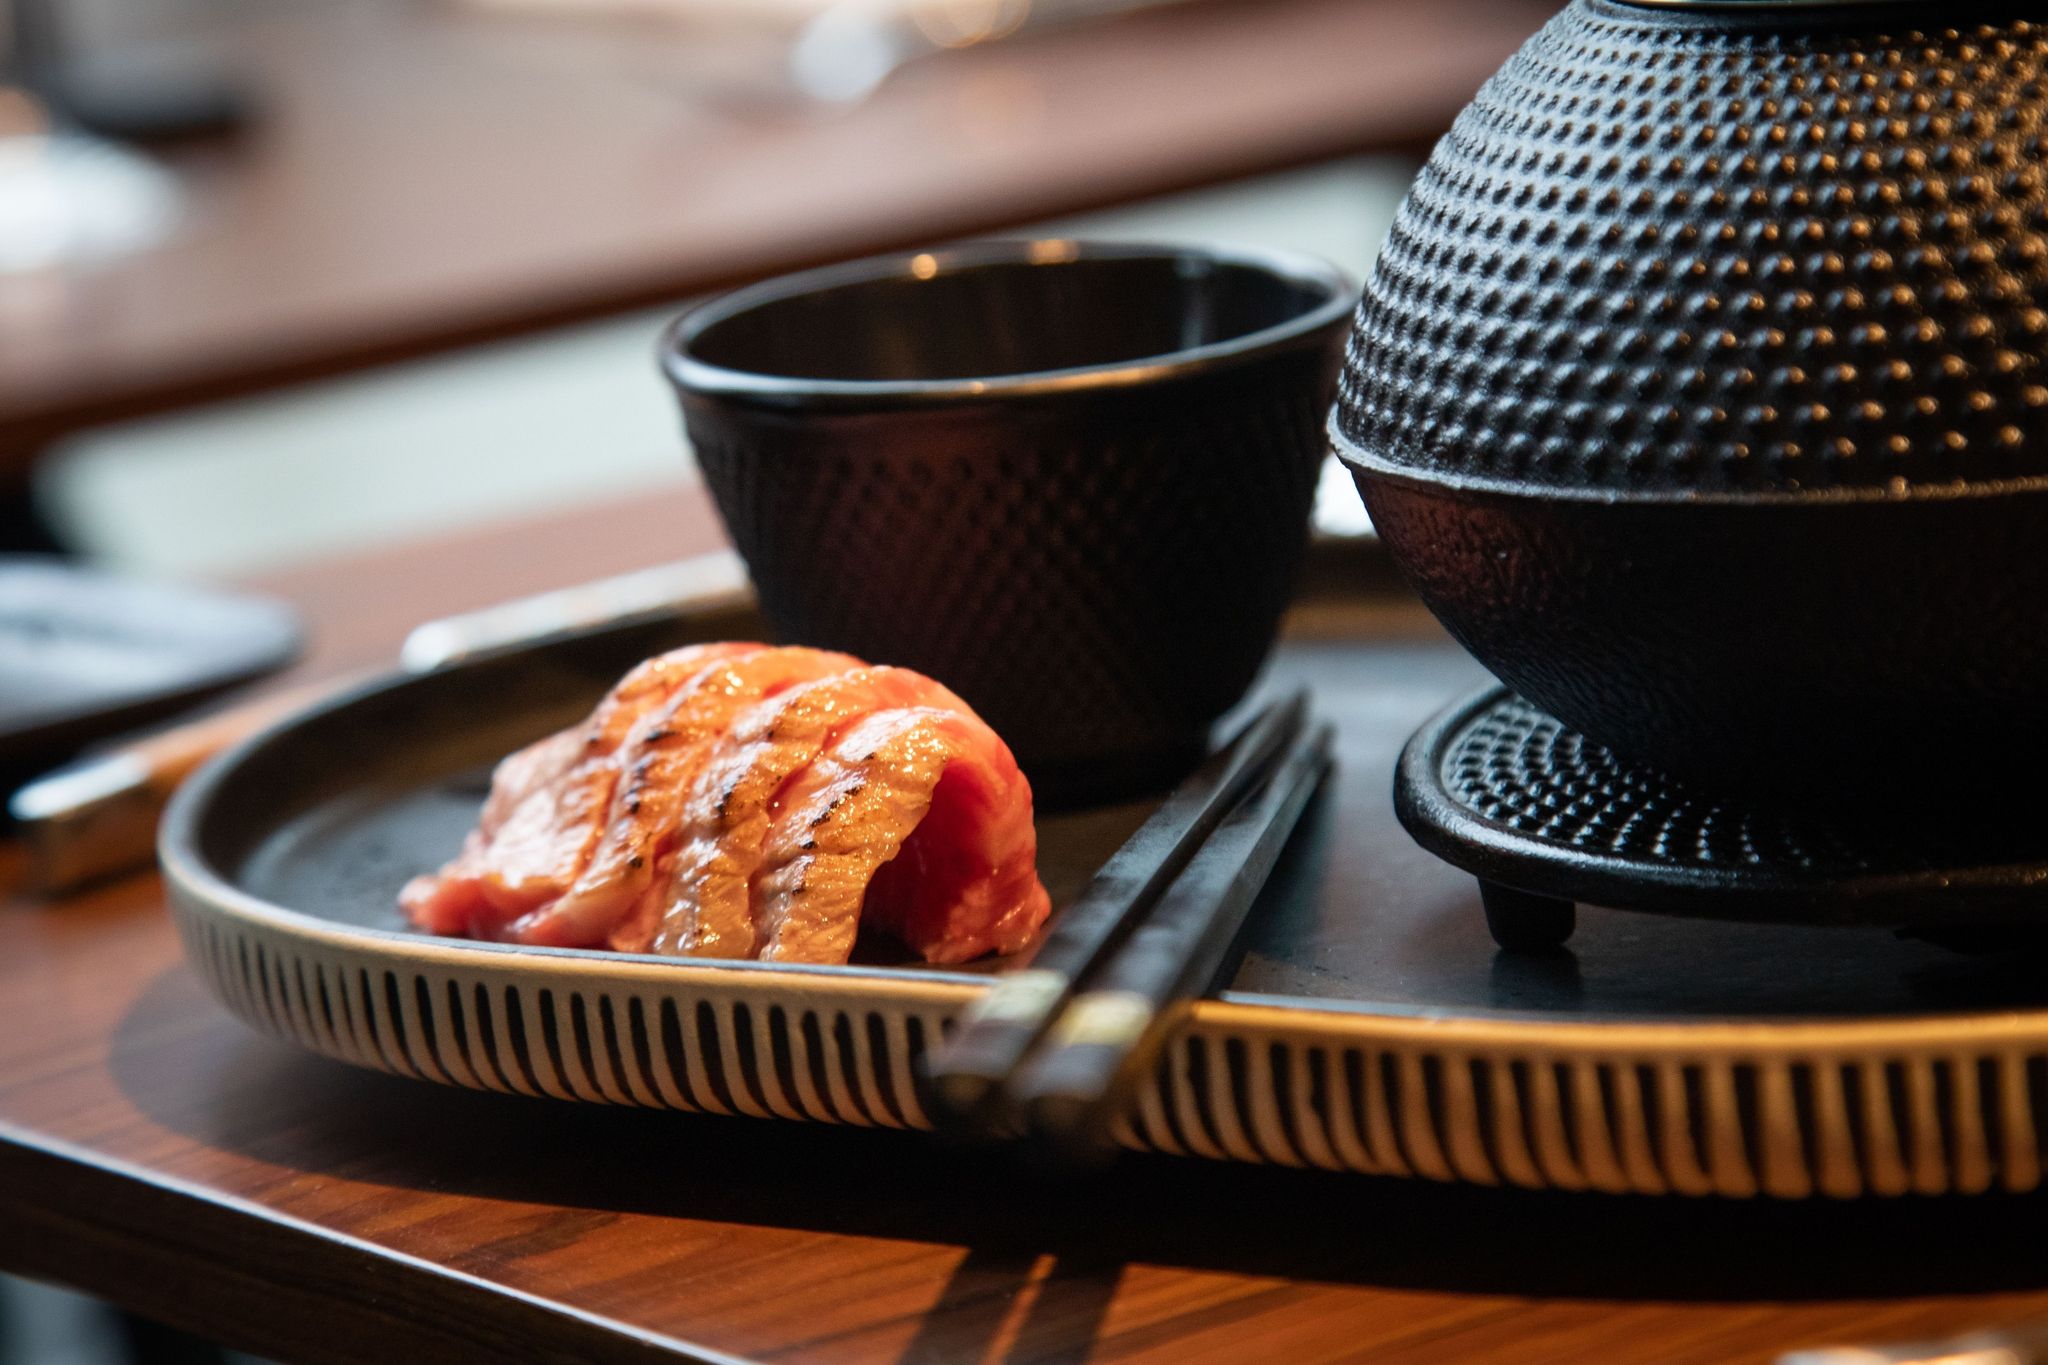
<point>1702,390</point>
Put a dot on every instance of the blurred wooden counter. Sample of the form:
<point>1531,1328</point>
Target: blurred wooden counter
<point>425,175</point>
<point>155,1150</point>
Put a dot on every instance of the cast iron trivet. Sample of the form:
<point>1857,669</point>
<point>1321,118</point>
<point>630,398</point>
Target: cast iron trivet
<point>1545,818</point>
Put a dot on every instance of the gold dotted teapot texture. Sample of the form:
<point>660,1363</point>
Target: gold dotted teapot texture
<point>1702,389</point>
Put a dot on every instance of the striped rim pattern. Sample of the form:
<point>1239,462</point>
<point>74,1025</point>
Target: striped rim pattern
<point>1927,1106</point>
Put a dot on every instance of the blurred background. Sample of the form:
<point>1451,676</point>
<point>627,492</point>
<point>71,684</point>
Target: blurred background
<point>280,280</point>
<point>514,428</point>
<point>284,280</point>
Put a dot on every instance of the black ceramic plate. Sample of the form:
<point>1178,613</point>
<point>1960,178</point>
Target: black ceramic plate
<point>329,814</point>
<point>1370,1025</point>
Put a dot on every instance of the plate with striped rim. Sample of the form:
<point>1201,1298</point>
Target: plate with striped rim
<point>1369,1024</point>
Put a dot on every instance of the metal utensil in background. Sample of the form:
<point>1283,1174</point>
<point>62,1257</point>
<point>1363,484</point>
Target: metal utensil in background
<point>845,53</point>
<point>794,57</point>
<point>701,582</point>
<point>97,816</point>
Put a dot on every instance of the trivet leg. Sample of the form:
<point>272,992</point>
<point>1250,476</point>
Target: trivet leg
<point>1525,923</point>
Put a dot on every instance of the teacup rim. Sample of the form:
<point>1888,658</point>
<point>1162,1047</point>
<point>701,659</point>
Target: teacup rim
<point>693,375</point>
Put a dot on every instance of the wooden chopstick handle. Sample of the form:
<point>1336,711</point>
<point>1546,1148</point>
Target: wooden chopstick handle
<point>97,817</point>
<point>1071,1087</point>
<point>969,1071</point>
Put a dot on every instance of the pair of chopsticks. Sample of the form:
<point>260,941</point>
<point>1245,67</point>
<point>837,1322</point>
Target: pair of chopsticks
<point>1052,1051</point>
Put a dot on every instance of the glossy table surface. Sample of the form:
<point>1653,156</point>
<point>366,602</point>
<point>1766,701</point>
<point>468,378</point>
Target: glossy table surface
<point>427,173</point>
<point>155,1150</point>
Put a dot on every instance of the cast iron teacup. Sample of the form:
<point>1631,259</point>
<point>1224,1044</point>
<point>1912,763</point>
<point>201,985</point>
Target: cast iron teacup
<point>1069,480</point>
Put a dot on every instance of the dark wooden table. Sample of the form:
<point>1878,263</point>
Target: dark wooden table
<point>154,1150</point>
<point>426,175</point>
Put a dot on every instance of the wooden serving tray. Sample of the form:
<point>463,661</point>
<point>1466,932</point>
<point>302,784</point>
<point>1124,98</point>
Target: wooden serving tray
<point>1370,1026</point>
